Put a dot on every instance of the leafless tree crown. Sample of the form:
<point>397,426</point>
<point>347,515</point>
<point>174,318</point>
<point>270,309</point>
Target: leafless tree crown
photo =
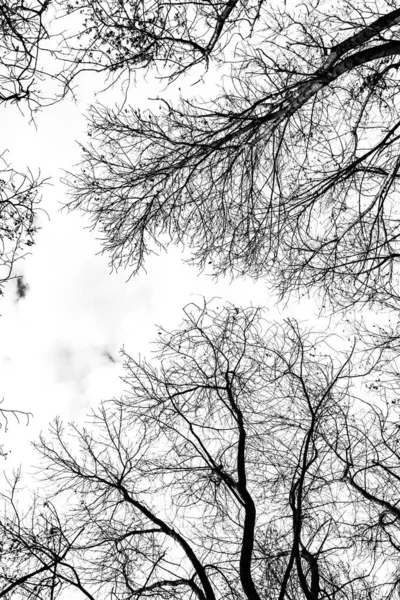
<point>290,171</point>
<point>235,466</point>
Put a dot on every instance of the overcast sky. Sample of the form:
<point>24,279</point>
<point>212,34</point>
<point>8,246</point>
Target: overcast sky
<point>59,345</point>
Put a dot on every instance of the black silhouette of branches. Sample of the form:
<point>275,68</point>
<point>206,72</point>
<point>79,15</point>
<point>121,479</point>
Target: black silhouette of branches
<point>368,446</point>
<point>19,200</point>
<point>219,474</point>
<point>120,37</point>
<point>23,34</point>
<point>291,171</point>
<point>34,547</point>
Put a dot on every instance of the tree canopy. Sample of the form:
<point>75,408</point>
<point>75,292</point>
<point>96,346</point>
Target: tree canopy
<point>243,462</point>
<point>288,172</point>
<point>248,459</point>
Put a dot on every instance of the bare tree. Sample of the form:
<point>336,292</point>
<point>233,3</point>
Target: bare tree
<point>33,545</point>
<point>120,37</point>
<point>33,47</point>
<point>368,446</point>
<point>291,171</point>
<point>46,42</point>
<point>23,33</point>
<point>19,201</point>
<point>217,475</point>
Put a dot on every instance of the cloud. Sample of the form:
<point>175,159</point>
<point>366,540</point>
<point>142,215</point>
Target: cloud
<point>22,288</point>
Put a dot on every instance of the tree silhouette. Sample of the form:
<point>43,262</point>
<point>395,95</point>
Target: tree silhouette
<point>23,32</point>
<point>19,200</point>
<point>120,37</point>
<point>233,467</point>
<point>290,171</point>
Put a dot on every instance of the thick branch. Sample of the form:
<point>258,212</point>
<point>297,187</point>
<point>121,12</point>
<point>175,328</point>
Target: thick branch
<point>199,568</point>
<point>173,583</point>
<point>363,36</point>
<point>249,506</point>
<point>308,89</point>
<point>21,580</point>
<point>389,507</point>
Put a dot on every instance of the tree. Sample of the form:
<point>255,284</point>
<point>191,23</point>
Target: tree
<point>221,473</point>
<point>119,37</point>
<point>35,68</point>
<point>369,450</point>
<point>22,35</point>
<point>290,171</point>
<point>19,200</point>
<point>30,555</point>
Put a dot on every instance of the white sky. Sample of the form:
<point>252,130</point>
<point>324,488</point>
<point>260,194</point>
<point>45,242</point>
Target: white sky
<point>54,342</point>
